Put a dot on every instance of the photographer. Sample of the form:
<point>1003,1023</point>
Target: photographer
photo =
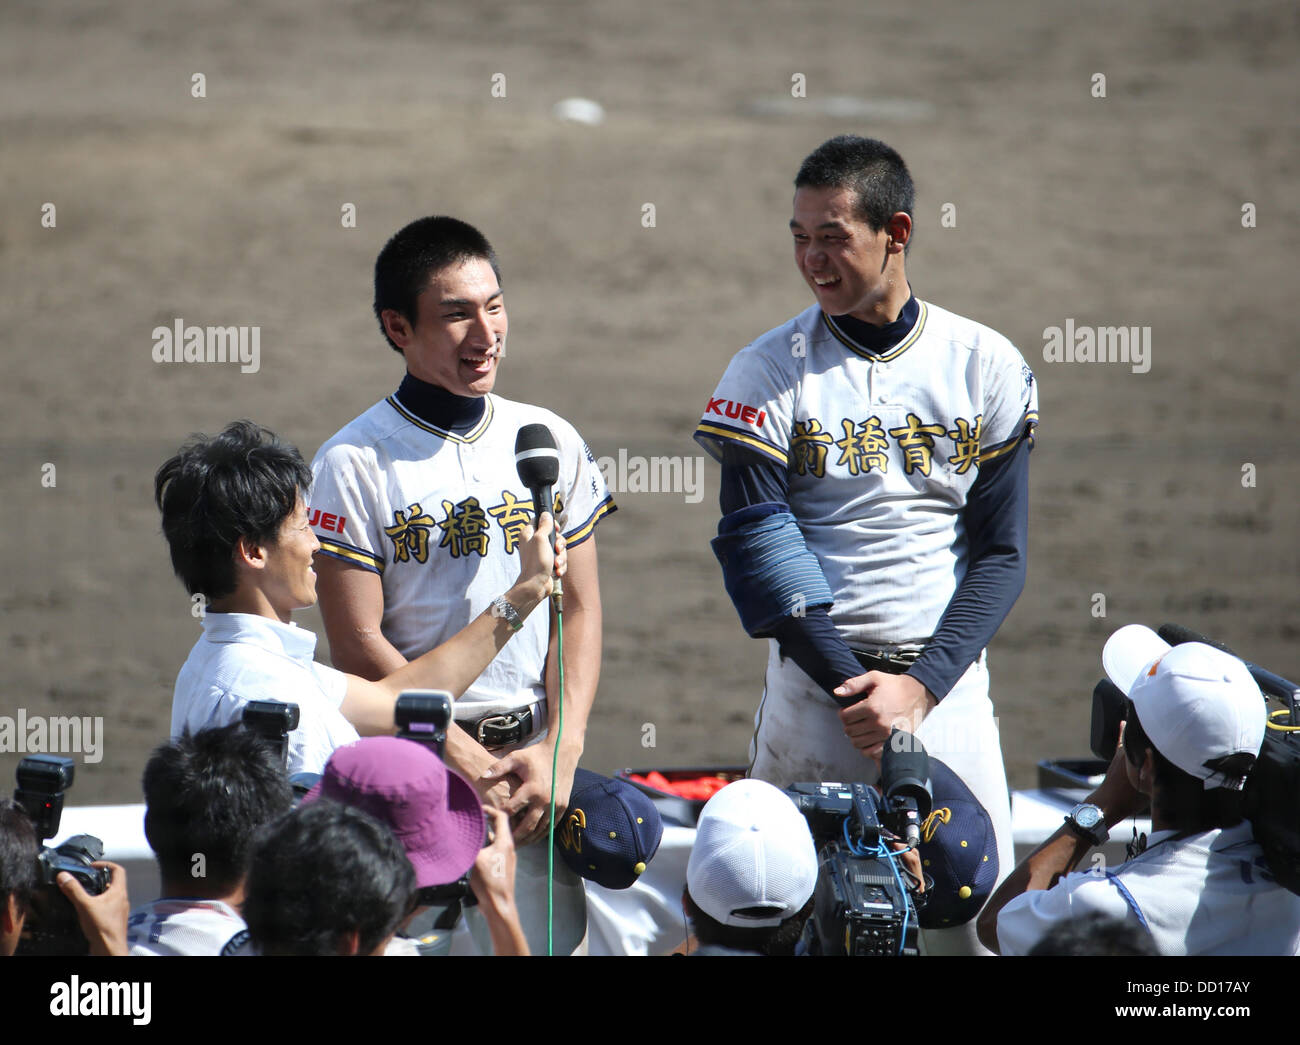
<point>206,796</point>
<point>18,849</point>
<point>327,880</point>
<point>436,816</point>
<point>751,873</point>
<point>1195,725</point>
<point>102,918</point>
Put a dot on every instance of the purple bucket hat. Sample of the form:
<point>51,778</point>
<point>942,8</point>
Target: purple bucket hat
<point>433,811</point>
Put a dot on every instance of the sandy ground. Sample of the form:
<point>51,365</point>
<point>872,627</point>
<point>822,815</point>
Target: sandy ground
<point>1117,210</point>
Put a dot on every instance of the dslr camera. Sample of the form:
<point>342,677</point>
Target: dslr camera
<point>51,926</point>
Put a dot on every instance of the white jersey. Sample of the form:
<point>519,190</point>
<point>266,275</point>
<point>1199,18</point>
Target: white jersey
<point>882,451</point>
<point>439,516</point>
<point>185,927</point>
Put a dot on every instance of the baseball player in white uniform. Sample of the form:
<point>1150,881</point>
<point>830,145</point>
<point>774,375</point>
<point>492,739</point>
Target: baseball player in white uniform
<point>874,492</point>
<point>418,506</point>
<point>436,517</point>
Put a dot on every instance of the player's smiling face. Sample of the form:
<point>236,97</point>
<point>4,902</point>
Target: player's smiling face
<point>840,257</point>
<point>460,331</point>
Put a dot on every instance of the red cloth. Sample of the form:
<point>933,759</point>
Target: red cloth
<point>699,789</point>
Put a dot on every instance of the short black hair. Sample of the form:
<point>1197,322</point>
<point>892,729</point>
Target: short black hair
<point>408,261</point>
<point>1182,799</point>
<point>1095,934</point>
<point>874,172</point>
<point>242,483</point>
<point>19,848</point>
<point>320,872</point>
<point>773,941</point>
<point>209,793</point>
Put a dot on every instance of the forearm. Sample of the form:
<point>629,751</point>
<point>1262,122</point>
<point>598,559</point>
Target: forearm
<point>503,926</point>
<point>1041,869</point>
<point>465,754</point>
<point>1062,853</point>
<point>996,518</point>
<point>582,654</point>
<point>363,652</point>
<point>813,643</point>
<point>456,663</point>
<point>977,609</point>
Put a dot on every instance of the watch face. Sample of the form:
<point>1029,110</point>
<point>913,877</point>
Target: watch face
<point>1087,817</point>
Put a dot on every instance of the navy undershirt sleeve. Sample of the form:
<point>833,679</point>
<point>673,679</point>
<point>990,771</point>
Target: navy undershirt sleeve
<point>997,525</point>
<point>811,641</point>
<point>997,529</point>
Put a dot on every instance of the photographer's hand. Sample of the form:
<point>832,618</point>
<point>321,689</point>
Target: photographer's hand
<point>1116,796</point>
<point>911,860</point>
<point>102,918</point>
<point>493,882</point>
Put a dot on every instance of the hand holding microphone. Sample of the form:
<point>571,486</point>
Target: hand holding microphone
<point>537,461</point>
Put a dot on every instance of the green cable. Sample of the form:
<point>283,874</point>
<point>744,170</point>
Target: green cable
<point>555,759</point>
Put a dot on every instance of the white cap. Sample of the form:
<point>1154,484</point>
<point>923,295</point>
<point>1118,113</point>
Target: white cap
<point>1196,703</point>
<point>752,850</point>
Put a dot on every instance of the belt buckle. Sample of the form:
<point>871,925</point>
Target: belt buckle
<point>510,727</point>
<point>900,658</point>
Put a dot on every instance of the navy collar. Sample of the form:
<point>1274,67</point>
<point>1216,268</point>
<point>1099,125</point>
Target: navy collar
<point>881,339</point>
<point>437,407</point>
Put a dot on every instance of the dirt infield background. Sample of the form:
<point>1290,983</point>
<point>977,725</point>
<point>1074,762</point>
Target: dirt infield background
<point>1124,210</point>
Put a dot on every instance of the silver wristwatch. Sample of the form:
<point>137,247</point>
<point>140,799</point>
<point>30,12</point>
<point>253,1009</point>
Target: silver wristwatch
<point>502,610</point>
<point>1088,822</point>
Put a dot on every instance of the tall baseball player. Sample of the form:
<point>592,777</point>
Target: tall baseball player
<point>418,508</point>
<point>875,464</point>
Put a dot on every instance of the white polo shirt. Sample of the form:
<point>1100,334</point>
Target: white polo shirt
<point>242,657</point>
<point>1208,894</point>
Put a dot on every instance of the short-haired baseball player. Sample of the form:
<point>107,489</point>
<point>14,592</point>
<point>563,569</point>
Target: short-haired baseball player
<point>875,469</point>
<point>418,508</point>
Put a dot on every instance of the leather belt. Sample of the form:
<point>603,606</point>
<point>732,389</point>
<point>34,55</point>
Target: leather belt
<point>503,728</point>
<point>892,661</point>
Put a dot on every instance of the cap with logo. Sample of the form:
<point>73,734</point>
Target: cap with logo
<point>958,851</point>
<point>1197,704</point>
<point>609,832</point>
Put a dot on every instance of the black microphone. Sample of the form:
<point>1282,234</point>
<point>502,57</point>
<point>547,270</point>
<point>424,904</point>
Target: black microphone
<point>1176,635</point>
<point>537,460</point>
<point>905,781</point>
<point>1268,681</point>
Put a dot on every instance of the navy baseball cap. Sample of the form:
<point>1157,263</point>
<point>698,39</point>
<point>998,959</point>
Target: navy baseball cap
<point>609,832</point>
<point>958,851</point>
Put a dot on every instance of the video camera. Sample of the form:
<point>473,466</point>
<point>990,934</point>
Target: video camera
<point>864,903</point>
<point>51,926</point>
<point>1273,783</point>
